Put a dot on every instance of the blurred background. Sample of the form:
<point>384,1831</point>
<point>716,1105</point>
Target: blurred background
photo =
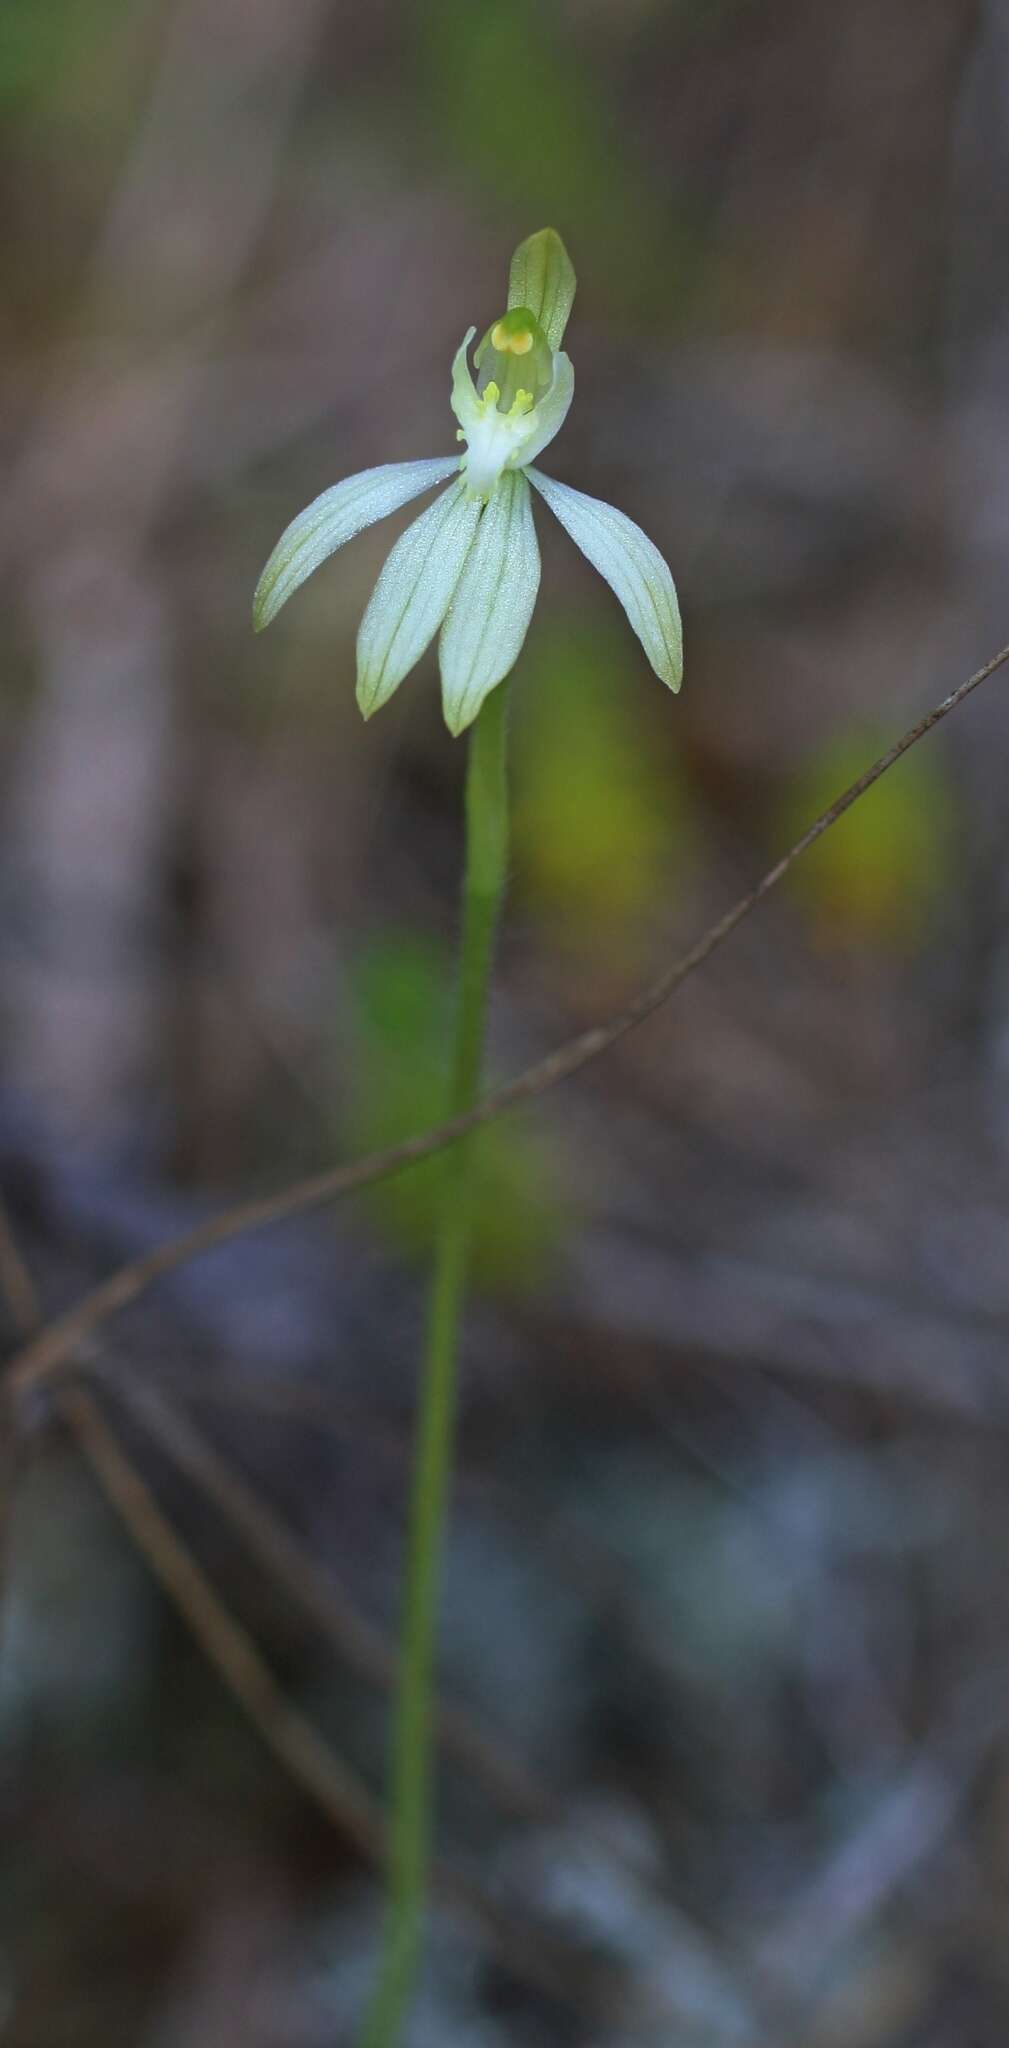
<point>726,1631</point>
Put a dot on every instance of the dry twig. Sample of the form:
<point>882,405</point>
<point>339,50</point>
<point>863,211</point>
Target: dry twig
<point>355,1638</point>
<point>231,1651</point>
<point>54,1345</point>
<point>227,1646</point>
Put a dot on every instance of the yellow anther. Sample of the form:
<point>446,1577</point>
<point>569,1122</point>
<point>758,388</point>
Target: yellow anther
<point>491,393</point>
<point>517,344</point>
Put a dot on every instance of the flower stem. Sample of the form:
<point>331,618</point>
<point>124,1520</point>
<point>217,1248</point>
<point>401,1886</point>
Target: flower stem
<point>411,1791</point>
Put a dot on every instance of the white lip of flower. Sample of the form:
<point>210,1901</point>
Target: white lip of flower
<point>497,438</point>
<point>470,564</point>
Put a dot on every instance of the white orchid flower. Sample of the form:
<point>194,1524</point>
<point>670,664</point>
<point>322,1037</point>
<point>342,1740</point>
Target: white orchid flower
<point>470,564</point>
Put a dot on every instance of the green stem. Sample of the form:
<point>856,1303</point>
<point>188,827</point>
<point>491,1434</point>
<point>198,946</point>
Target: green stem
<point>411,1791</point>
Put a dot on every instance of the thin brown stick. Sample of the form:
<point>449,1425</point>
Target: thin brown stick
<point>569,1549</point>
<point>23,1300</point>
<point>361,1644</point>
<point>356,1639</point>
<point>16,1283</point>
<point>54,1345</point>
<point>291,1738</point>
<point>551,1965</point>
<point>227,1646</point>
<point>232,1652</point>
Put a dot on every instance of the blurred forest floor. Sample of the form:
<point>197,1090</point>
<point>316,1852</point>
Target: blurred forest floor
<point>726,1631</point>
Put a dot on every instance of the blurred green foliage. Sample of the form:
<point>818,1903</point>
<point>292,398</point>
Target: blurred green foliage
<point>604,824</point>
<point>880,874</point>
<point>42,42</point>
<point>403,994</point>
<point>517,108</point>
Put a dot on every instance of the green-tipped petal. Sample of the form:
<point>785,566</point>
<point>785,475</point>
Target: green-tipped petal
<point>412,595</point>
<point>552,410</point>
<point>542,277</point>
<point>489,615</point>
<point>335,517</point>
<point>632,567</point>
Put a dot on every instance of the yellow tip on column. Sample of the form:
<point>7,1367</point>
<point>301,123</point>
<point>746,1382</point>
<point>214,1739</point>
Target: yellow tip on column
<point>515,344</point>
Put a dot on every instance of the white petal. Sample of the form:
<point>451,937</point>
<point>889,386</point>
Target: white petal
<point>334,518</point>
<point>549,416</point>
<point>465,402</point>
<point>412,595</point>
<point>489,615</point>
<point>632,567</point>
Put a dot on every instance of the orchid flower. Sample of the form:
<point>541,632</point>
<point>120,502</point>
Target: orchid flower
<point>470,564</point>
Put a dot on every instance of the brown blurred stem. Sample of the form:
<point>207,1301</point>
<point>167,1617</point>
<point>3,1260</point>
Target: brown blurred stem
<point>227,1646</point>
<point>21,1295</point>
<point>43,1356</point>
<point>322,1597</point>
<point>551,1966</point>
